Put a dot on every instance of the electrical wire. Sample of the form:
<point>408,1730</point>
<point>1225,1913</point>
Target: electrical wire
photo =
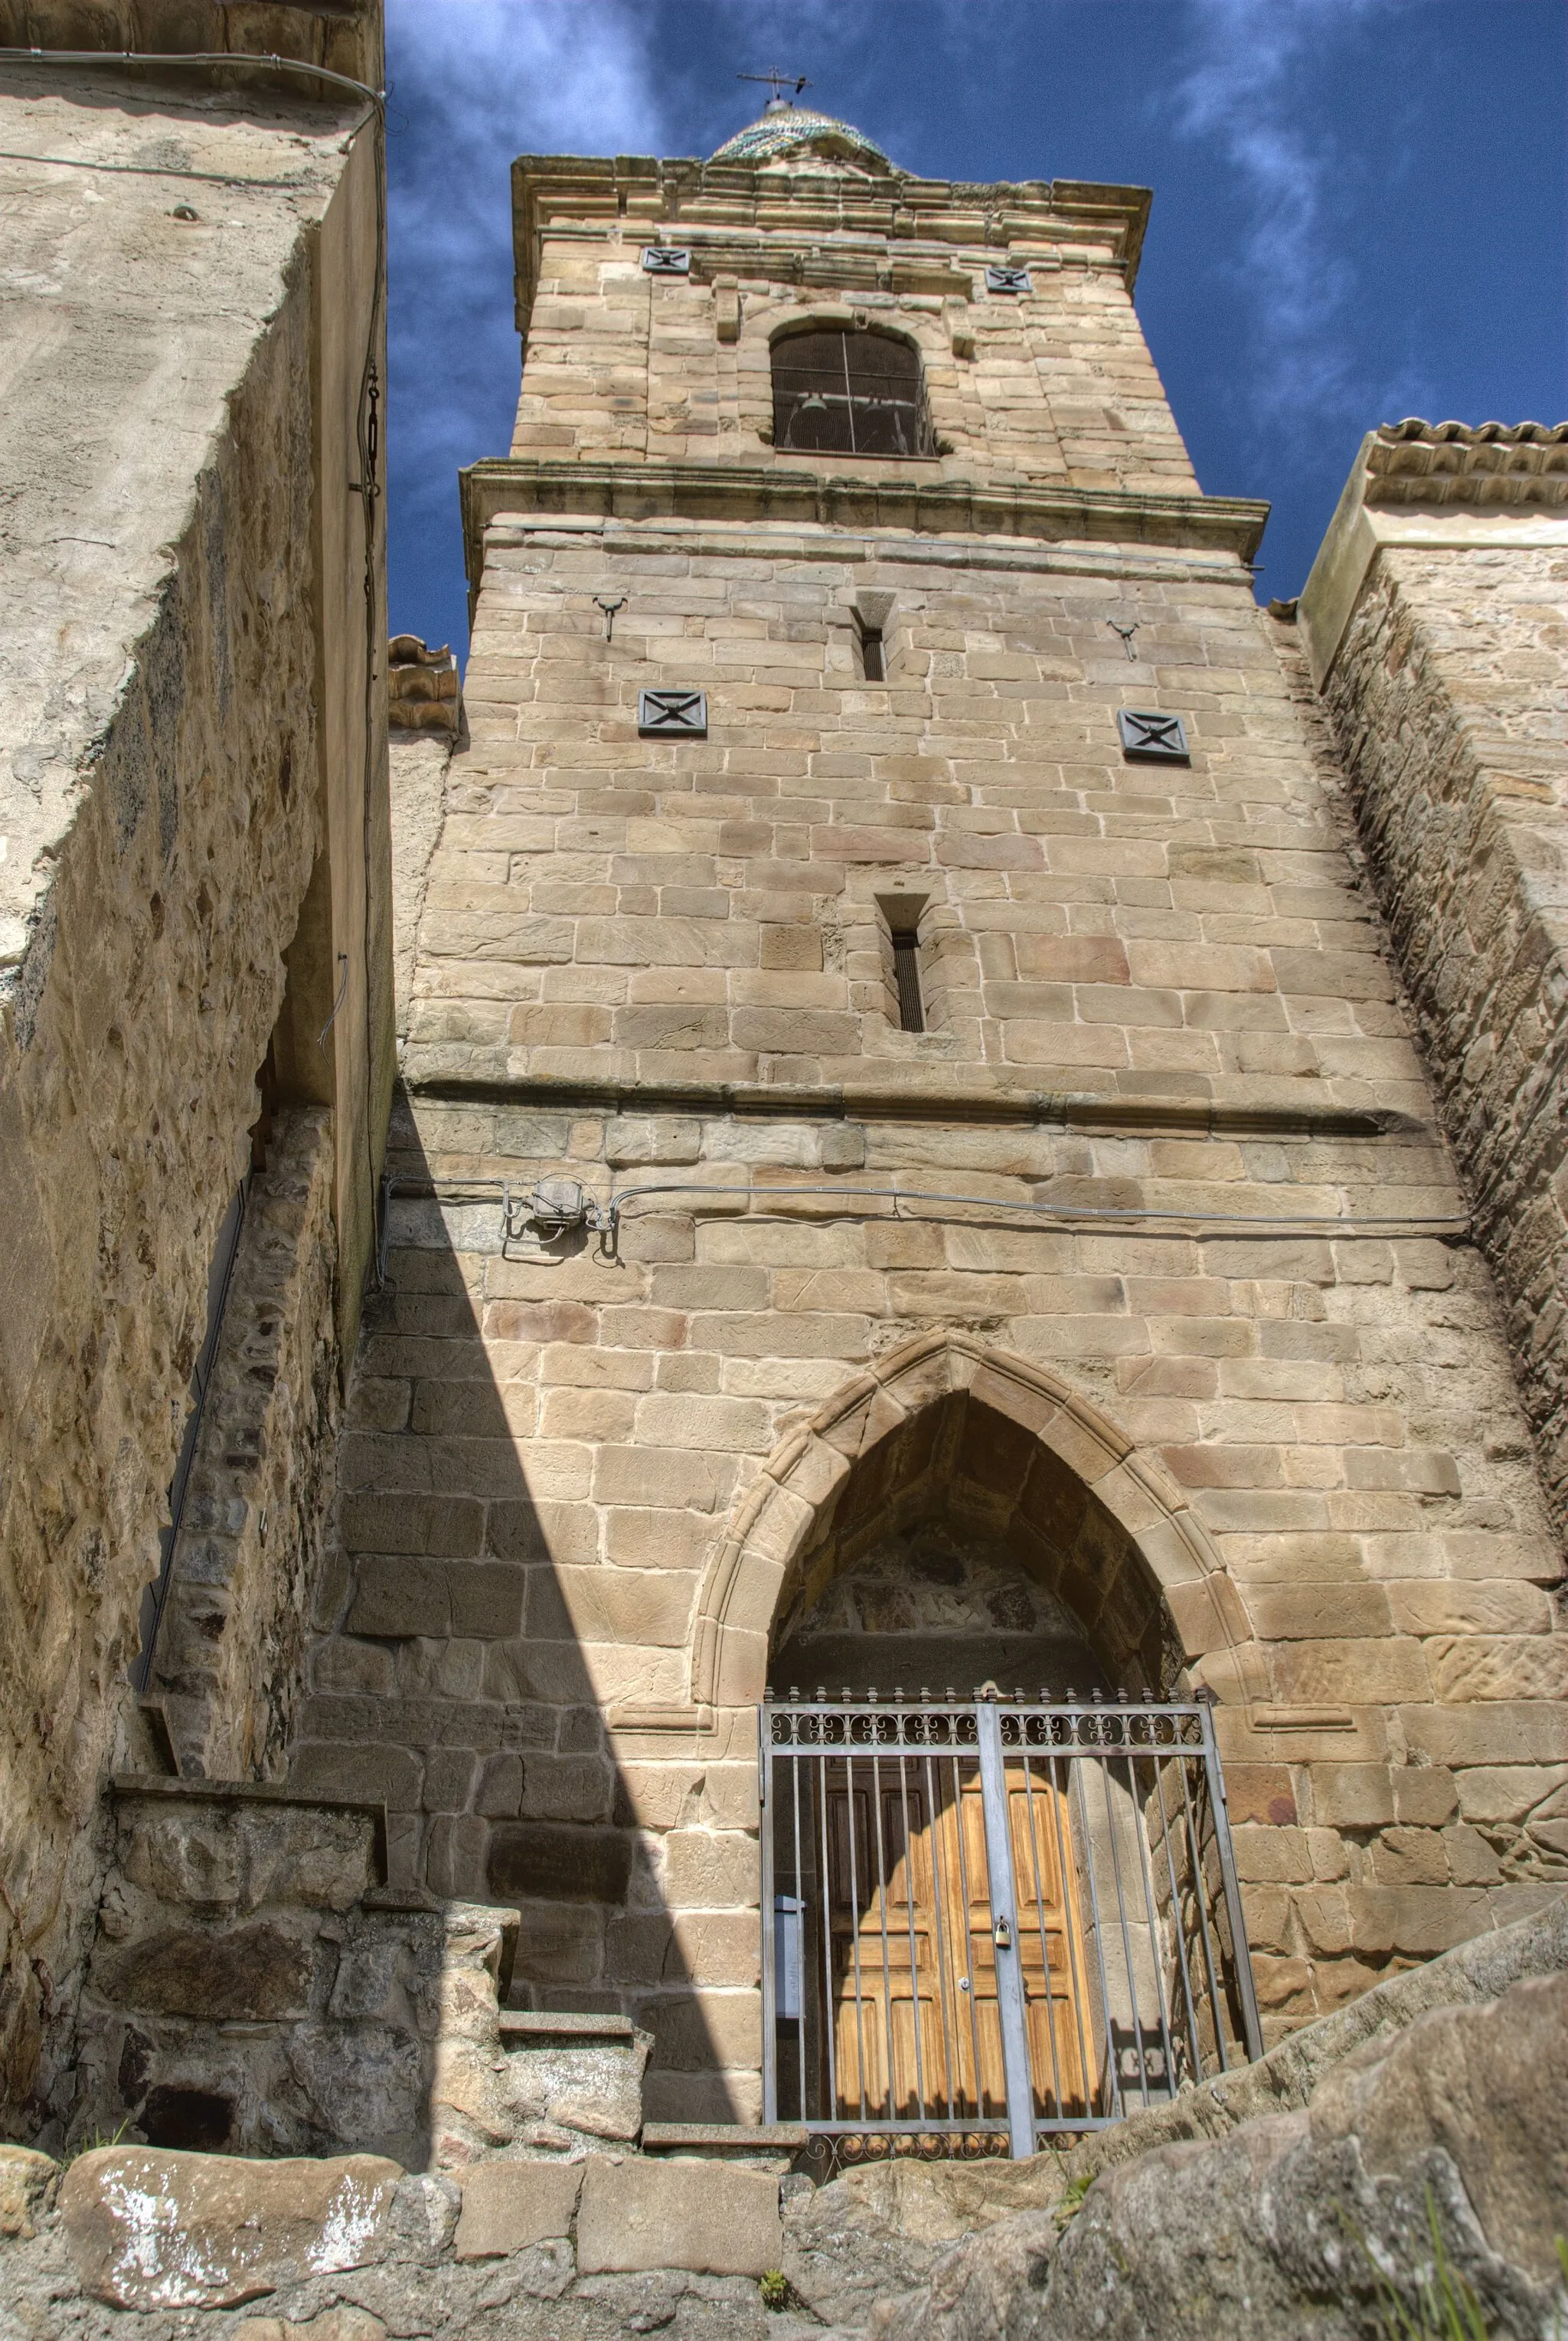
<point>120,58</point>
<point>605,1217</point>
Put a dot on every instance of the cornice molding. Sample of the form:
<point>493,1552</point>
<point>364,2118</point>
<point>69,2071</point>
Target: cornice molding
<point>937,508</point>
<point>1453,487</point>
<point>780,207</point>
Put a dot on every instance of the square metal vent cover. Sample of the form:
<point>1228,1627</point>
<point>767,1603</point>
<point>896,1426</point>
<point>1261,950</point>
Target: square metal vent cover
<point>666,260</point>
<point>1152,739</point>
<point>680,713</point>
<point>1009,280</point>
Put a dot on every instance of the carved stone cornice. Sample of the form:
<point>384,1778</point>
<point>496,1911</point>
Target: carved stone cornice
<point>1440,487</point>
<point>1483,466</point>
<point>934,507</point>
<point>785,220</point>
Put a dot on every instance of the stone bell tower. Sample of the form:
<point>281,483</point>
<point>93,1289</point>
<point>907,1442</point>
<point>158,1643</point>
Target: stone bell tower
<point>912,1168</point>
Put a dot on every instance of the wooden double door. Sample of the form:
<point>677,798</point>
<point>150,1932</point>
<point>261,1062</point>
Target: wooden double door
<point>911,1947</point>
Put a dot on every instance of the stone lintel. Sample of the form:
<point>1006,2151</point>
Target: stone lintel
<point>936,508</point>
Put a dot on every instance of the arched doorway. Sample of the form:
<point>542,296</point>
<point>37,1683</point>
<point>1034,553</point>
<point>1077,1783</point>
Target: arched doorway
<point>994,1841</point>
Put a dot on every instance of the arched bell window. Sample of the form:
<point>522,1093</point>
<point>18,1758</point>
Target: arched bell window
<point>849,393</point>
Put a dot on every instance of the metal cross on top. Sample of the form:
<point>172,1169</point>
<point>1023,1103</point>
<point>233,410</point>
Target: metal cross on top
<point>779,82</point>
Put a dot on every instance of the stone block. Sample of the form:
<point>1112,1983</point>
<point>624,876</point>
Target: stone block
<point>559,1861</point>
<point>509,2204</point>
<point>486,1599</point>
<point>251,1974</point>
<point>28,2185</point>
<point>638,2214</point>
<point>152,2231</point>
<point>394,1597</point>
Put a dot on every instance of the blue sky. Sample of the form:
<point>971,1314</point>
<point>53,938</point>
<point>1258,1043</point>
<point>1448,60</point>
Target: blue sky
<point>1361,206</point>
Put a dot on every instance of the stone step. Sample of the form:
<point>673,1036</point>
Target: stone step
<point>534,2027</point>
<point>774,2147</point>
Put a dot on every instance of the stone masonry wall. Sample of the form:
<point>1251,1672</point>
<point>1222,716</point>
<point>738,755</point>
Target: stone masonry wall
<point>1054,384</point>
<point>607,907</point>
<point>548,1450</point>
<point>1450,694</point>
<point>231,1644</point>
<point>162,798</point>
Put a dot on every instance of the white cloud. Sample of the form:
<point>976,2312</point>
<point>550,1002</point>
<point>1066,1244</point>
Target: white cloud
<point>474,83</point>
<point>1249,90</point>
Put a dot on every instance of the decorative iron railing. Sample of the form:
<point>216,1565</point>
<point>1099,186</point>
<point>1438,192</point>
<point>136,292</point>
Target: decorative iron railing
<point>992,1921</point>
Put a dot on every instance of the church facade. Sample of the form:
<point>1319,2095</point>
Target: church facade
<point>913,1168</point>
<point>922,1482</point>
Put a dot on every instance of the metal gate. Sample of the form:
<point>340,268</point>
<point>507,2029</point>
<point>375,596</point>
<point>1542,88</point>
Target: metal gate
<point>991,1921</point>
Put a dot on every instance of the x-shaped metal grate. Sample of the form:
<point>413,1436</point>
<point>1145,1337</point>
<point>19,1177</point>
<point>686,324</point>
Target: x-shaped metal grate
<point>683,713</point>
<point>666,260</point>
<point>1152,739</point>
<point>1009,280</point>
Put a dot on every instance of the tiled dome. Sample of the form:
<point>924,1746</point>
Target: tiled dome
<point>784,126</point>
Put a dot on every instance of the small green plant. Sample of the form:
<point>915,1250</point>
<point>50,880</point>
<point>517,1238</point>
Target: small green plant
<point>92,2145</point>
<point>1072,2197</point>
<point>1446,2308</point>
<point>774,2287</point>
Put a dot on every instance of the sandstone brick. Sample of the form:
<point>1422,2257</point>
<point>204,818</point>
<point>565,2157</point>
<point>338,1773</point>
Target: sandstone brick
<point>638,2212</point>
<point>508,2205</point>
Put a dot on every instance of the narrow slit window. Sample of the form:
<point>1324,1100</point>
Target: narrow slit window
<point>873,656</point>
<point>906,975</point>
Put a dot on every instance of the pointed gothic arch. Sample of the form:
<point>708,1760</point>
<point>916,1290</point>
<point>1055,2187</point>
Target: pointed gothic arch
<point>1143,1574</point>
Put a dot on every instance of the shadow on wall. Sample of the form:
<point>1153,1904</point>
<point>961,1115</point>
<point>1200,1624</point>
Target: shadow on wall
<point>451,1677</point>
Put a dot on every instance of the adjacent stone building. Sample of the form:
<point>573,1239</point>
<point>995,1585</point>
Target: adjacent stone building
<point>195,974</point>
<point>914,1161</point>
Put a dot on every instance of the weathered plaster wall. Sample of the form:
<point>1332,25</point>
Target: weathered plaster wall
<point>1450,694</point>
<point>167,793</point>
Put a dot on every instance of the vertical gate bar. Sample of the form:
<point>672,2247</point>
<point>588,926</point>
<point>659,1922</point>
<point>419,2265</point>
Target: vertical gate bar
<point>1080,1761</point>
<point>1122,1920</point>
<point>1201,1897</point>
<point>855,1918</point>
<point>968,1978</point>
<point>1058,1799</point>
<point>940,1904</point>
<point>1161,1998</point>
<point>848,390</point>
<point>1241,1948</point>
<point>1040,1913</point>
<point>830,2025</point>
<point>1004,1917</point>
<point>1194,2040</point>
<point>882,1913</point>
<point>910,1907</point>
<point>769,1920</point>
<point>800,1939</point>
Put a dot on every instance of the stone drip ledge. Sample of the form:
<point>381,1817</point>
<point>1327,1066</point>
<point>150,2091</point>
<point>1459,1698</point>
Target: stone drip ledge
<point>424,1074</point>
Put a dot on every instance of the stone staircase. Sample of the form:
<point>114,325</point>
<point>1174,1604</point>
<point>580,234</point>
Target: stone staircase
<point>345,2121</point>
